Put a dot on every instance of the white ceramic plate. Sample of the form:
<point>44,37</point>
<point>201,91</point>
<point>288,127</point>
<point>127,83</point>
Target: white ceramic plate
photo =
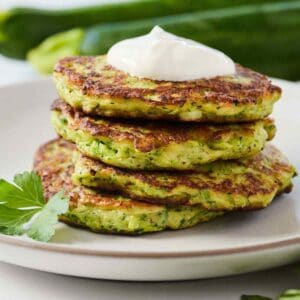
<point>237,243</point>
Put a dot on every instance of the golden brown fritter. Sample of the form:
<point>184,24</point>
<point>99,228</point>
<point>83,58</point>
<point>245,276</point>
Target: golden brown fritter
<point>90,84</point>
<point>248,183</point>
<point>158,145</point>
<point>104,212</point>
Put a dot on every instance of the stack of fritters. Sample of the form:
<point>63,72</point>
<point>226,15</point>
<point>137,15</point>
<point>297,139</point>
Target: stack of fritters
<point>139,155</point>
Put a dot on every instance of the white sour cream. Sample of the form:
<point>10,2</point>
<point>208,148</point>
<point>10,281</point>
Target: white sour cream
<point>160,55</point>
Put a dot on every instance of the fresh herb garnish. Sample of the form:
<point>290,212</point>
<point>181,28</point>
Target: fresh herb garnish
<point>290,295</point>
<point>254,297</point>
<point>287,295</point>
<point>23,208</point>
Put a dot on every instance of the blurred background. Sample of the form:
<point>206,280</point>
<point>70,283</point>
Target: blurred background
<point>260,34</point>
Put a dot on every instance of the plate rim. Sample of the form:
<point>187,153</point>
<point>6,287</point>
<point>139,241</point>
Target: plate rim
<point>35,245</point>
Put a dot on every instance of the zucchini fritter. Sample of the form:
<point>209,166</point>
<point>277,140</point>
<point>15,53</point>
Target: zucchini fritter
<point>248,183</point>
<point>158,145</point>
<point>93,86</point>
<point>103,212</point>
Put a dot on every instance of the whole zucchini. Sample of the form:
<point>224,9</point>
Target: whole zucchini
<point>22,29</point>
<point>264,37</point>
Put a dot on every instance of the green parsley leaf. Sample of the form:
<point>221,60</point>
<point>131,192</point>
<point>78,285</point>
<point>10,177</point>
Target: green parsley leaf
<point>12,220</point>
<point>254,297</point>
<point>42,226</point>
<point>23,203</point>
<point>287,295</point>
<point>31,184</point>
<point>27,191</point>
<point>290,295</point>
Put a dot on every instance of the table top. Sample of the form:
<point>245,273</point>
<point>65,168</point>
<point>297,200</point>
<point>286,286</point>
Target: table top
<point>22,284</point>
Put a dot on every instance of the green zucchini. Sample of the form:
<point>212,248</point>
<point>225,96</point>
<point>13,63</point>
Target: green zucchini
<point>22,29</point>
<point>264,37</point>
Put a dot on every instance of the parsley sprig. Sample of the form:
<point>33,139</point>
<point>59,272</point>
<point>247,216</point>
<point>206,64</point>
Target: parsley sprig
<point>287,295</point>
<point>254,297</point>
<point>23,208</point>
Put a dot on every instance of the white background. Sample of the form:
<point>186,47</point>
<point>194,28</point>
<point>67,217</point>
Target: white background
<point>22,284</point>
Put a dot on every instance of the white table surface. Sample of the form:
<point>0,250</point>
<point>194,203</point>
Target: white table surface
<point>18,283</point>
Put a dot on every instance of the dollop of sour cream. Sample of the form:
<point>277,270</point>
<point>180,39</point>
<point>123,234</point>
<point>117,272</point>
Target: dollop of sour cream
<point>160,55</point>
